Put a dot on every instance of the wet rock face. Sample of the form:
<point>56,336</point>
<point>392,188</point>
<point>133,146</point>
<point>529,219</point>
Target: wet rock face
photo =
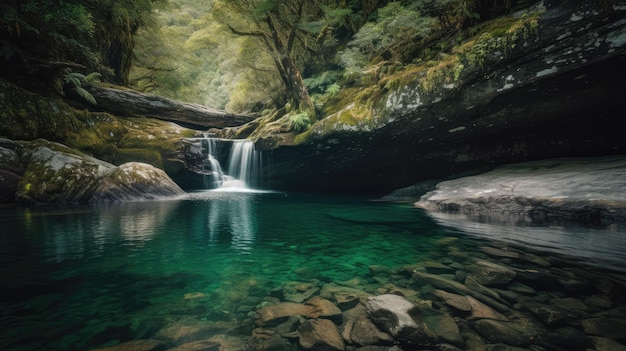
<point>555,94</point>
<point>55,173</point>
<point>585,190</point>
<point>11,170</point>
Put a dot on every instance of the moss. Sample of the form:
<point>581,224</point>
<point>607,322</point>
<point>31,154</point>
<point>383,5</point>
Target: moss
<point>149,156</point>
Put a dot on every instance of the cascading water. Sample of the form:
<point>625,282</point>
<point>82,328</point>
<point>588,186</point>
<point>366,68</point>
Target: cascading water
<point>243,167</point>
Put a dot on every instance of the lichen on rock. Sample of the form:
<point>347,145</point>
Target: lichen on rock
<point>55,173</point>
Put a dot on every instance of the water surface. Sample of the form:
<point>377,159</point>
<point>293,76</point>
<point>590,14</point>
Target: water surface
<point>80,277</point>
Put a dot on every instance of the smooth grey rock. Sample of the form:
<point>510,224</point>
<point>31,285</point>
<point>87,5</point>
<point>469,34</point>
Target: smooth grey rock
<point>502,332</point>
<point>135,181</point>
<point>480,310</point>
<point>358,329</point>
<point>580,189</point>
<point>457,301</point>
<point>612,328</point>
<point>490,274</point>
<point>57,174</point>
<point>323,308</point>
<point>550,316</point>
<point>400,318</point>
<point>320,335</point>
<point>444,326</point>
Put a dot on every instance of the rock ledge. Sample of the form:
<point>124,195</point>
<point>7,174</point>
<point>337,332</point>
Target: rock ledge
<point>580,189</point>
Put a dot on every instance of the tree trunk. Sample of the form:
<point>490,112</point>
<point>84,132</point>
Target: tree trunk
<point>295,87</point>
<point>132,103</point>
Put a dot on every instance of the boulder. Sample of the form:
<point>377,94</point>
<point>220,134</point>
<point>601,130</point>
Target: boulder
<point>443,325</point>
<point>135,181</point>
<point>11,170</point>
<point>502,332</point>
<point>490,274</point>
<point>323,308</point>
<point>580,189</point>
<point>459,302</point>
<point>400,318</point>
<point>320,335</point>
<point>57,174</point>
<point>612,328</point>
<point>480,310</point>
<point>359,330</point>
<point>274,314</point>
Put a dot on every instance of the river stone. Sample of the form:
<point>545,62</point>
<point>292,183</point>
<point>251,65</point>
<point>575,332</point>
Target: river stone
<point>550,316</point>
<point>298,291</point>
<point>456,287</point>
<point>480,310</point>
<point>346,301</point>
<point>135,345</point>
<point>605,344</point>
<point>274,314</point>
<point>499,252</point>
<point>434,267</point>
<point>188,330</point>
<point>566,338</point>
<point>443,325</point>
<point>400,318</point>
<point>502,332</point>
<point>268,340</point>
<point>472,283</point>
<point>612,328</point>
<point>324,309</point>
<point>522,288</point>
<point>489,273</point>
<point>457,301</point>
<point>358,329</point>
<point>200,345</point>
<point>320,335</point>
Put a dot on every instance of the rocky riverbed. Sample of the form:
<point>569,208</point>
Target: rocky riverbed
<point>488,296</point>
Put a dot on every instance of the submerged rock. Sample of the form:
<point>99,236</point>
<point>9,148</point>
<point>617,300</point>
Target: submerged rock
<point>400,318</point>
<point>320,335</point>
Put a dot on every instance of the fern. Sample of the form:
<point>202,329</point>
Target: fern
<point>300,122</point>
<point>75,81</point>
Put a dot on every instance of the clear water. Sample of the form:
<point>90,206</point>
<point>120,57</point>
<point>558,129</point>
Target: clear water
<point>75,278</point>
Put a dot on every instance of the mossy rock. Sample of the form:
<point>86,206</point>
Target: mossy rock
<point>149,156</point>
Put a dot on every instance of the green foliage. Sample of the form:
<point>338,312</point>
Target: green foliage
<point>300,122</point>
<point>322,82</point>
<point>75,82</point>
<point>396,26</point>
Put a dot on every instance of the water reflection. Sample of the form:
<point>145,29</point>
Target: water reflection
<point>231,214</point>
<point>604,246</point>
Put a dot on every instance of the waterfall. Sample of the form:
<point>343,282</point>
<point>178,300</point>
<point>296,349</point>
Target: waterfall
<point>243,163</point>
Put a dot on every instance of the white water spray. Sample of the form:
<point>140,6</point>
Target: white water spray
<point>244,165</point>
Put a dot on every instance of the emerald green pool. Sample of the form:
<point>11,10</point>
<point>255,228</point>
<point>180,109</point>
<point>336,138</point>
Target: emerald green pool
<point>81,277</point>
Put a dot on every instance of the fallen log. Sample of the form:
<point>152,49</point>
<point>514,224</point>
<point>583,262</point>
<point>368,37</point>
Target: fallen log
<point>133,103</point>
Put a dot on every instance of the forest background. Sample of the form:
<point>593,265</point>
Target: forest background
<point>241,56</point>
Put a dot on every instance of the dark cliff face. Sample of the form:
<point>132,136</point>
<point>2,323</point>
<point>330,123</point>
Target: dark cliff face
<point>558,93</point>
